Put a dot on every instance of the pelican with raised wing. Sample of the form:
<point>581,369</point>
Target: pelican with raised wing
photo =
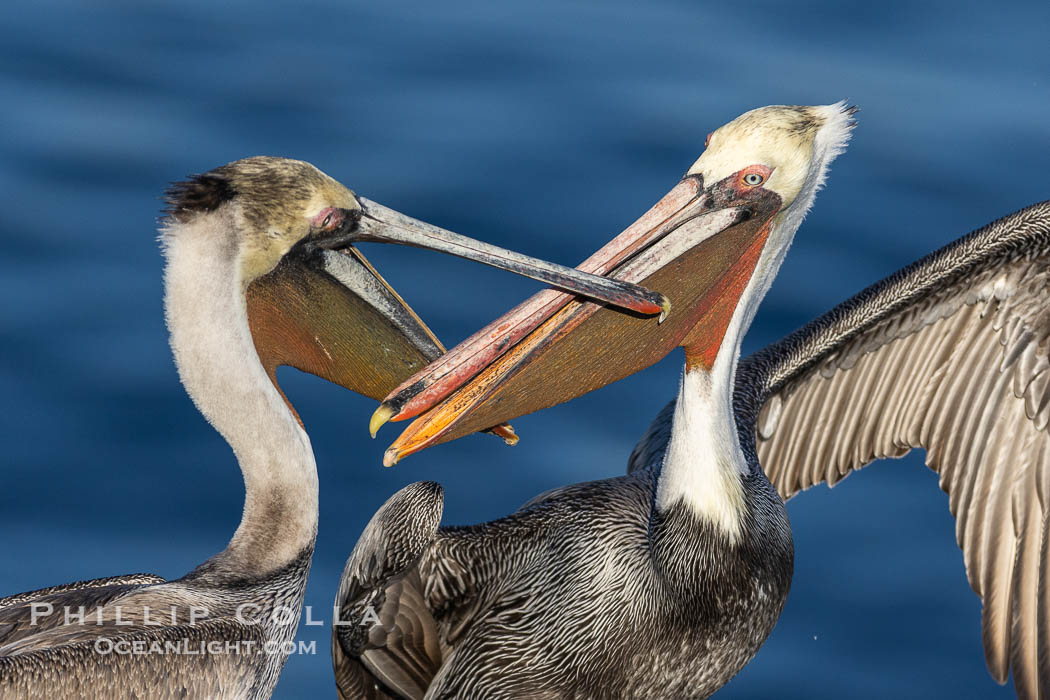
<point>665,582</point>
<point>260,272</point>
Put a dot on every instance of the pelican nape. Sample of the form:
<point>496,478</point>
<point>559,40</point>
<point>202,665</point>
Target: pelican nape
<point>691,551</point>
<point>260,272</point>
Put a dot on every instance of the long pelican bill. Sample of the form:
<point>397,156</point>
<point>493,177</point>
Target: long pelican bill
<point>699,246</point>
<point>382,224</point>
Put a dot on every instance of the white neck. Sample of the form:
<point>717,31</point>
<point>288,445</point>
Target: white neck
<point>206,313</point>
<point>703,463</point>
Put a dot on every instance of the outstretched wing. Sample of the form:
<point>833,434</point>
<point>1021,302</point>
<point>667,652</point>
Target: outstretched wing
<point>951,354</point>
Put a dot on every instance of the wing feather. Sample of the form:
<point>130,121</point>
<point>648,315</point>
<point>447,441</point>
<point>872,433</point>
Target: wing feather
<point>952,354</point>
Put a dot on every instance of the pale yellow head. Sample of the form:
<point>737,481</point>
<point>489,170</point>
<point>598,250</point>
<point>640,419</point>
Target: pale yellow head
<point>274,203</point>
<point>796,143</point>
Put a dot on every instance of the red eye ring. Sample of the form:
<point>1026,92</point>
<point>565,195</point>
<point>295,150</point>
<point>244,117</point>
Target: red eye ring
<point>327,219</point>
<point>753,176</point>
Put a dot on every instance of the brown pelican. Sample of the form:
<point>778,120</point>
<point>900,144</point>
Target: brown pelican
<point>260,272</point>
<point>665,582</point>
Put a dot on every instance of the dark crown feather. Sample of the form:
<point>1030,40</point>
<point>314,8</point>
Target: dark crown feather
<point>197,194</point>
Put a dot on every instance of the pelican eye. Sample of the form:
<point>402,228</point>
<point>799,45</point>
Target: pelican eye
<point>753,179</point>
<point>327,220</point>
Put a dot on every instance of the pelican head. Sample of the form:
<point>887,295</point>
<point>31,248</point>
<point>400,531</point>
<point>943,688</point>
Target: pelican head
<point>712,245</point>
<point>275,204</point>
<point>788,147</point>
<point>785,150</point>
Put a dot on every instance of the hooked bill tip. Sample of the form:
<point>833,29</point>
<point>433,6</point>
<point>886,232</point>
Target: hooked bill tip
<point>506,432</point>
<point>665,309</point>
<point>509,436</point>
<point>391,457</point>
<point>382,414</point>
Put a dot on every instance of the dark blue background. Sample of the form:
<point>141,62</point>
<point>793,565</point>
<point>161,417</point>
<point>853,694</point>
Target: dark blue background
<point>543,126</point>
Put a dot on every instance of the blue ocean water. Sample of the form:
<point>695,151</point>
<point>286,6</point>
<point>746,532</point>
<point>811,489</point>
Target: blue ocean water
<point>542,126</point>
